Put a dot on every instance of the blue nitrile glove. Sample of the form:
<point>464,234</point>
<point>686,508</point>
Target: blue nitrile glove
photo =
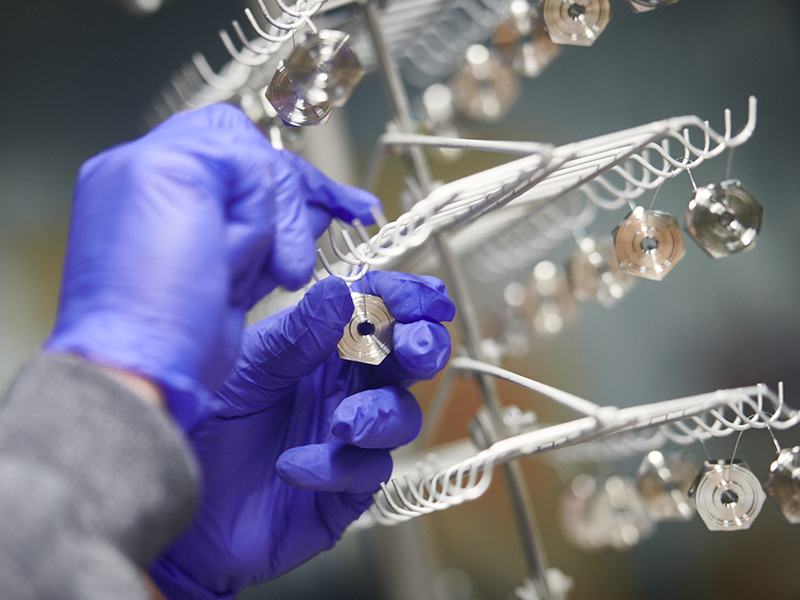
<point>299,438</point>
<point>176,235</point>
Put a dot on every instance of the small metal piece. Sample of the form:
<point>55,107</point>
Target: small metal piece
<point>648,243</point>
<point>783,485</point>
<point>663,484</point>
<point>574,514</point>
<point>551,303</point>
<point>523,42</point>
<point>320,74</point>
<point>727,495</point>
<point>560,585</point>
<point>724,218</point>
<point>640,6</point>
<point>439,109</point>
<point>594,273</point>
<point>368,336</point>
<point>325,67</point>
<point>620,514</point>
<point>484,88</point>
<point>292,107</point>
<point>576,22</point>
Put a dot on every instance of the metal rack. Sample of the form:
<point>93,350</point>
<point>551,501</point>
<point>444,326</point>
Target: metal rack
<point>547,195</point>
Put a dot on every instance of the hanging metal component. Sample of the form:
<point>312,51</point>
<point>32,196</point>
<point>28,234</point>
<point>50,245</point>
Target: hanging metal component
<point>438,107</point>
<point>724,218</point>
<point>368,336</point>
<point>663,484</point>
<point>576,22</point>
<point>648,243</point>
<point>484,88</point>
<point>516,337</point>
<point>550,298</point>
<point>521,40</point>
<point>594,272</point>
<point>783,485</point>
<point>578,528</point>
<point>727,495</point>
<point>319,75</point>
<point>640,6</point>
<point>620,514</point>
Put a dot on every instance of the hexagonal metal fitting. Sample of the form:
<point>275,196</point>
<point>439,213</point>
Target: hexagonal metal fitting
<point>783,485</point>
<point>724,218</point>
<point>648,243</point>
<point>727,495</point>
<point>663,482</point>
<point>368,336</point>
<point>576,22</point>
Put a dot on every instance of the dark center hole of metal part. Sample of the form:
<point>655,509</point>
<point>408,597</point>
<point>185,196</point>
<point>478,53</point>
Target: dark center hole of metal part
<point>365,328</point>
<point>576,11</point>
<point>729,497</point>
<point>649,244</point>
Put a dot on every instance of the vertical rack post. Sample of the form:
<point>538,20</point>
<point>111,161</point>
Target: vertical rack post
<point>535,561</point>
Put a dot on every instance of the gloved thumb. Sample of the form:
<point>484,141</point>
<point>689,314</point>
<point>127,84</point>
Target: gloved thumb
<point>282,349</point>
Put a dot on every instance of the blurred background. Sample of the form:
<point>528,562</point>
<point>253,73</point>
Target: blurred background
<point>79,76</point>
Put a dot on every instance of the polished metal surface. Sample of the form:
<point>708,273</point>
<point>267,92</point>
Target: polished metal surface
<point>648,243</point>
<point>579,529</point>
<point>291,105</point>
<point>523,43</point>
<point>484,88</point>
<point>594,273</point>
<point>368,336</point>
<point>620,514</point>
<point>320,74</point>
<point>783,485</point>
<point>325,67</point>
<point>576,22</point>
<point>727,495</point>
<point>663,484</point>
<point>724,218</point>
<point>551,304</point>
<point>640,6</point>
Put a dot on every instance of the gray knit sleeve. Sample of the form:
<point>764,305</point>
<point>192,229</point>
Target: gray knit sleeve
<point>94,480</point>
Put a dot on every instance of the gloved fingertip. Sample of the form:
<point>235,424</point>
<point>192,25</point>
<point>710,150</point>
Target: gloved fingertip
<point>330,300</point>
<point>422,349</point>
<point>294,273</point>
<point>410,297</point>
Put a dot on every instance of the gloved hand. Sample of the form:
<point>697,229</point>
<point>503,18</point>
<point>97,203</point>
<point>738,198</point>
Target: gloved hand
<point>176,235</point>
<point>299,438</point>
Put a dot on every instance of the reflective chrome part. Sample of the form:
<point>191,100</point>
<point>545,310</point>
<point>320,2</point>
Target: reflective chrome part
<point>368,336</point>
<point>320,74</point>
<point>551,301</point>
<point>576,22</point>
<point>574,514</point>
<point>291,105</point>
<point>648,243</point>
<point>663,484</point>
<point>523,42</point>
<point>640,6</point>
<point>325,67</point>
<point>727,495</point>
<point>438,107</point>
<point>594,272</point>
<point>783,485</point>
<point>619,514</point>
<point>484,88</point>
<point>724,218</point>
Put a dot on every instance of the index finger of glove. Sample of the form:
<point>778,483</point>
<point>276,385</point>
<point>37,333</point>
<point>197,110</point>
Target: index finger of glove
<point>409,298</point>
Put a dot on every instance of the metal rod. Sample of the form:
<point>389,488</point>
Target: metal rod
<point>398,100</point>
<point>499,146</point>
